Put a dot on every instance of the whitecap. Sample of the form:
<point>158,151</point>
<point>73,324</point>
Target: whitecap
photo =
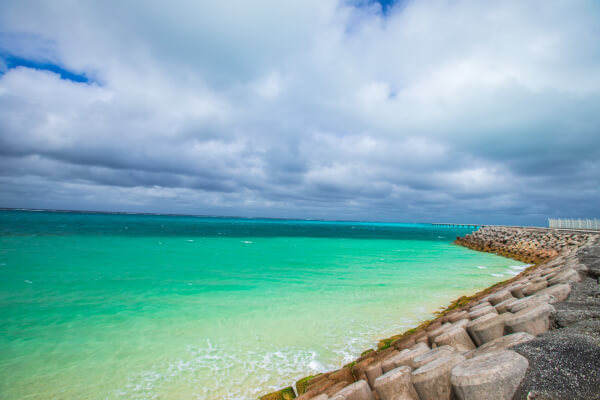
<point>481,267</point>
<point>498,275</point>
<point>28,281</point>
<point>246,241</point>
<point>316,366</point>
<point>518,267</point>
<point>189,240</point>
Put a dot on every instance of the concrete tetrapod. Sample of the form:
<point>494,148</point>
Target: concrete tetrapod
<point>568,275</point>
<point>492,376</point>
<point>432,380</point>
<point>430,355</point>
<point>396,385</point>
<point>535,287</point>
<point>499,297</point>
<point>421,337</point>
<point>457,338</point>
<point>518,291</point>
<point>491,329</point>
<point>504,306</point>
<point>502,343</point>
<point>404,357</point>
<point>437,331</point>
<point>480,305</point>
<point>390,363</point>
<point>471,325</point>
<point>480,312</point>
<point>359,390</point>
<point>458,316</point>
<point>534,320</point>
<point>335,388</point>
<point>373,372</point>
<point>531,301</point>
<point>560,291</point>
<point>461,323</point>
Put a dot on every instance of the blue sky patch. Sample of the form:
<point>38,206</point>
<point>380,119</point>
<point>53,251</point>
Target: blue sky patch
<point>386,5</point>
<point>14,62</point>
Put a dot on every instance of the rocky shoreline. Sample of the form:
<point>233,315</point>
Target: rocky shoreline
<point>535,336</point>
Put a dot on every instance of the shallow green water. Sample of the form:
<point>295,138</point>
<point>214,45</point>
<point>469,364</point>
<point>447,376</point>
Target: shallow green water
<point>104,306</point>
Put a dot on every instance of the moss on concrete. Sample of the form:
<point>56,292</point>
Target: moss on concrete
<point>384,344</point>
<point>366,352</point>
<point>302,384</point>
<point>283,394</point>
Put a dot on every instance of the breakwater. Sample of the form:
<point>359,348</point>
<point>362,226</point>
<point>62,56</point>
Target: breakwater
<point>504,342</point>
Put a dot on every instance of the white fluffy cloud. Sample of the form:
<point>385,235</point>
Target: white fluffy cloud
<point>440,109</point>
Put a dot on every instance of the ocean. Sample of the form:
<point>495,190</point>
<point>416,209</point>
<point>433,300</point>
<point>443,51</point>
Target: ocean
<point>129,306</point>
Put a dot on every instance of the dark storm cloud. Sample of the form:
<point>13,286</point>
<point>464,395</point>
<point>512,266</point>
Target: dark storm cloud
<point>420,111</point>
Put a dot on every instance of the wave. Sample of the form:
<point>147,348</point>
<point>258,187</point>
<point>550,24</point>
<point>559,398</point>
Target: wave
<point>217,371</point>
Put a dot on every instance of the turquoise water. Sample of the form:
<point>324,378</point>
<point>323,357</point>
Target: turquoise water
<point>106,306</point>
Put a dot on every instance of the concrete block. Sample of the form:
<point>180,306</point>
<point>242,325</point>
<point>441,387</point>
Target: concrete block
<point>404,343</point>
<point>396,385</point>
<point>471,325</point>
<point>320,385</point>
<point>499,297</point>
<point>435,332</point>
<point>560,291</point>
<point>373,372</point>
<point>461,323</point>
<point>390,363</point>
<point>568,275</point>
<point>358,370</point>
<point>359,390</point>
<point>312,395</point>
<point>336,388</point>
<point>533,320</point>
<point>518,291</point>
<point>432,380</point>
<point>431,355</point>
<point>530,301</point>
<point>457,338</point>
<point>344,374</point>
<point>404,357</point>
<point>480,305</point>
<point>492,376</point>
<point>458,316</point>
<point>434,325</point>
<point>535,287</point>
<point>482,311</point>
<point>491,329</point>
<point>504,306</point>
<point>421,337</point>
<point>499,344</point>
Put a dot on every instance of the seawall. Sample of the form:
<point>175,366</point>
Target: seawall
<point>548,316</point>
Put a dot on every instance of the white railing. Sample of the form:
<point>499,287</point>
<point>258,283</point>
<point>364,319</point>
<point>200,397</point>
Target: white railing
<point>593,224</point>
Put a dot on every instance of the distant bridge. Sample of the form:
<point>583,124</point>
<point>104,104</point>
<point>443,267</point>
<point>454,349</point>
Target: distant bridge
<point>451,225</point>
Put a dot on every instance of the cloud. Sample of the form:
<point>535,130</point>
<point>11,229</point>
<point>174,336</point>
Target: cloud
<point>424,111</point>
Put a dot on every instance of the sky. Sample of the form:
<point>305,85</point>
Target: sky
<point>416,111</point>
